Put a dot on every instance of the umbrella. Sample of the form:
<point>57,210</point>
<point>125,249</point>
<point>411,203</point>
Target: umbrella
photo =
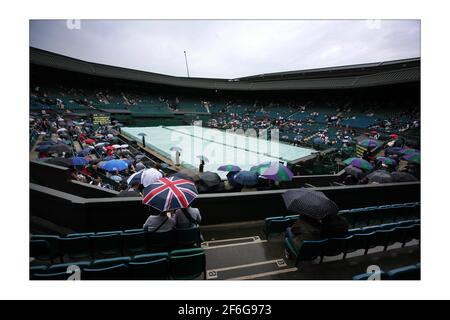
<point>261,168</point>
<point>359,163</point>
<point>278,172</point>
<point>318,140</point>
<point>89,141</point>
<point>124,146</point>
<point>113,165</point>
<point>100,144</point>
<point>393,136</point>
<point>116,146</point>
<point>47,142</point>
<point>61,130</point>
<point>150,176</point>
<point>380,176</point>
<point>203,158</point>
<point>210,182</point>
<point>230,177</point>
<point>229,168</point>
<point>387,161</point>
<point>175,148</point>
<point>59,148</point>
<point>403,177</point>
<point>311,203</point>
<point>187,174</point>
<point>406,151</point>
<point>43,148</point>
<point>79,161</point>
<point>135,177</point>
<point>355,172</point>
<point>413,157</point>
<point>142,134</point>
<point>369,143</point>
<point>63,162</point>
<point>246,178</point>
<point>393,150</point>
<point>168,194</point>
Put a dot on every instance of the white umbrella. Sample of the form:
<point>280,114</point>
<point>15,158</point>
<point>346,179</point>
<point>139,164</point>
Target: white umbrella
<point>203,158</point>
<point>150,176</point>
<point>110,135</point>
<point>124,146</point>
<point>101,144</point>
<point>61,130</point>
<point>175,148</point>
<point>116,146</point>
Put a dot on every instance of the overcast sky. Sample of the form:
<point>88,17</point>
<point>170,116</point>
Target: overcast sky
<point>229,48</point>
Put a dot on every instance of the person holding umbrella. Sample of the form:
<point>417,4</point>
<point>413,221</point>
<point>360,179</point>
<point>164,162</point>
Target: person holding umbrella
<point>318,214</point>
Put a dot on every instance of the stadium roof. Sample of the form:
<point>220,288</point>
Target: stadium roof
<point>341,77</point>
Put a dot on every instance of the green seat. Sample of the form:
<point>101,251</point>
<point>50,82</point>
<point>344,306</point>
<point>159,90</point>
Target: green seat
<point>187,237</point>
<point>153,266</point>
<point>106,244</point>
<point>134,242</point>
<point>75,248</point>
<point>187,264</point>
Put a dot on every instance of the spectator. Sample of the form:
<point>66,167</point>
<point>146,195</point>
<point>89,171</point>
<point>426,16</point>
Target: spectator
<point>334,226</point>
<point>306,228</point>
<point>188,217</point>
<point>159,222</point>
<point>132,191</point>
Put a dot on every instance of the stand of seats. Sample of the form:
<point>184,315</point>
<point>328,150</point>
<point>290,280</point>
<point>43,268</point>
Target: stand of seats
<point>185,264</point>
<point>360,216</point>
<point>358,239</point>
<point>404,273</point>
<point>82,246</point>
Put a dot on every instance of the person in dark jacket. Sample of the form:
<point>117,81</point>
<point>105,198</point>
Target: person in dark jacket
<point>133,191</point>
<point>306,228</point>
<point>334,226</point>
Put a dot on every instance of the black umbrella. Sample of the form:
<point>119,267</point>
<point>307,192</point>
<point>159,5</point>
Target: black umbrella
<point>59,148</point>
<point>210,182</point>
<point>355,172</point>
<point>311,203</point>
<point>63,162</point>
<point>187,174</point>
<point>380,176</point>
<point>403,177</point>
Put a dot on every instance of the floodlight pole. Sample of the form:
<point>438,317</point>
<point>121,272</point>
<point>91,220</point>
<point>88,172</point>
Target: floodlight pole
<point>187,67</point>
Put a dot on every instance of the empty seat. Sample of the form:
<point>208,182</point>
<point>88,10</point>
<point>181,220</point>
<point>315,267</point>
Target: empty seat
<point>188,237</point>
<point>40,250</point>
<point>277,225</point>
<point>53,242</point>
<point>75,248</point>
<point>373,276</point>
<point>379,238</point>
<point>160,241</point>
<point>106,244</point>
<point>150,267</point>
<point>405,273</point>
<point>115,272</point>
<point>187,264</point>
<point>51,276</point>
<point>334,247</point>
<point>102,263</point>
<point>134,242</point>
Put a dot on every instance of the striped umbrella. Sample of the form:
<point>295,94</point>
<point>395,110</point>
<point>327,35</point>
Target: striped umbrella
<point>229,168</point>
<point>369,143</point>
<point>168,194</point>
<point>413,157</point>
<point>387,161</point>
<point>359,163</point>
<point>278,172</point>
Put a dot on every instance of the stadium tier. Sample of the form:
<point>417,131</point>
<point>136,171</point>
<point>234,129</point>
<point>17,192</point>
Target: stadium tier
<point>311,174</point>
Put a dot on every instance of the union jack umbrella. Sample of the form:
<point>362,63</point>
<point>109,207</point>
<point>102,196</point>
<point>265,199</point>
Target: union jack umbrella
<point>171,193</point>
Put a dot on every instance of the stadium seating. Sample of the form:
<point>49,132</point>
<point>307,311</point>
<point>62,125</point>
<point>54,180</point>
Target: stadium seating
<point>356,217</point>
<point>357,239</point>
<point>404,273</point>
<point>178,264</point>
<point>82,246</point>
